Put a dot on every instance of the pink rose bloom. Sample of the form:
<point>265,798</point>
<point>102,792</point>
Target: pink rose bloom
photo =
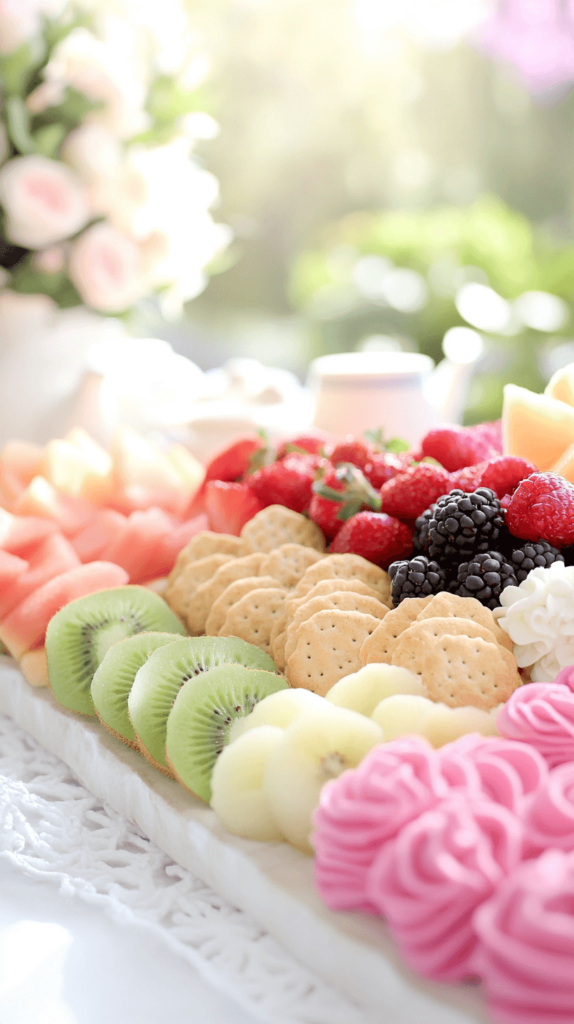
<point>43,200</point>
<point>366,807</point>
<point>549,818</point>
<point>428,881</point>
<point>541,714</point>
<point>509,771</point>
<point>105,268</point>
<point>526,943</point>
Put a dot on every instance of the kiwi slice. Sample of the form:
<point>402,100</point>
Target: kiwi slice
<point>114,677</point>
<point>205,707</point>
<point>159,681</point>
<point>81,633</point>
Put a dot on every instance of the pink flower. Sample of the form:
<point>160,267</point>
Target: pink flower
<point>43,200</point>
<point>105,268</point>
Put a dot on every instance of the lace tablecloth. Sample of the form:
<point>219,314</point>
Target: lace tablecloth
<point>55,831</point>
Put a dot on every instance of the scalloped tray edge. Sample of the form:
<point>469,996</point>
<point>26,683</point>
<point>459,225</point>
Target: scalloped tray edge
<point>271,881</point>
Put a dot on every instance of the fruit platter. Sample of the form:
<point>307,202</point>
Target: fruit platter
<point>335,679</point>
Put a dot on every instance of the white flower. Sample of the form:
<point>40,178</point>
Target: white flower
<point>18,22</point>
<point>21,20</point>
<point>43,200</point>
<point>105,268</point>
<point>108,71</point>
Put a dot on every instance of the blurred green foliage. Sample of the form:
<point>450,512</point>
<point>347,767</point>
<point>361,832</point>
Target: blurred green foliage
<point>333,139</point>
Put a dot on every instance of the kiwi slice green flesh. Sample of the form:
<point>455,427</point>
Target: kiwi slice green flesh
<point>114,677</point>
<point>81,633</point>
<point>159,681</point>
<point>205,707</point>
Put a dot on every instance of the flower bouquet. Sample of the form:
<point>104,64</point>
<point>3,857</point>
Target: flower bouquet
<point>101,200</point>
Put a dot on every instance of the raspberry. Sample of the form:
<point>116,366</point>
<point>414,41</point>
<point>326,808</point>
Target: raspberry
<point>408,494</point>
<point>380,538</point>
<point>504,473</point>
<point>542,508</point>
<point>456,447</point>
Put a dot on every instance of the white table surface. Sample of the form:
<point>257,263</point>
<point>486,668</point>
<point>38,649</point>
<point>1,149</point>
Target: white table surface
<point>63,961</point>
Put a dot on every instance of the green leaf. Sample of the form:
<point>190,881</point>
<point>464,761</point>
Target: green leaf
<point>18,67</point>
<point>48,140</point>
<point>397,444</point>
<point>18,121</point>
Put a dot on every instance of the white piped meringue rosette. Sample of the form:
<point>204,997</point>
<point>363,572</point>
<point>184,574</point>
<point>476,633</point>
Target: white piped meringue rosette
<point>538,616</point>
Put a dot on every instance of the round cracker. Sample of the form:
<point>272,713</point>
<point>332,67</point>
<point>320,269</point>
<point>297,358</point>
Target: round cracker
<point>344,600</point>
<point>380,646</point>
<point>252,617</point>
<point>444,604</point>
<point>233,593</point>
<point>276,525</point>
<point>462,671</point>
<point>288,563</point>
<point>277,645</point>
<point>206,543</point>
<point>414,644</point>
<point>328,647</point>
<point>178,593</point>
<point>347,567</point>
<point>329,586</point>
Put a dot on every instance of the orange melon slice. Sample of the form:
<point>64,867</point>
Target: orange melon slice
<point>34,667</point>
<point>536,427</point>
<point>561,385</point>
<point>23,459</point>
<point>565,464</point>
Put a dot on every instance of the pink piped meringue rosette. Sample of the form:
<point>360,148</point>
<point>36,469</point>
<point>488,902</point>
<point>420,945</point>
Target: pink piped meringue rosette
<point>468,853</point>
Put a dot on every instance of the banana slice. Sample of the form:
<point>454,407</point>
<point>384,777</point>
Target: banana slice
<point>404,714</point>
<point>363,690</point>
<point>315,748</point>
<point>291,705</point>
<point>237,794</point>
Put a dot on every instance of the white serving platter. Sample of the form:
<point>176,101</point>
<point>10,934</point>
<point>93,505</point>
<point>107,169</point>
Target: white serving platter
<point>271,881</point>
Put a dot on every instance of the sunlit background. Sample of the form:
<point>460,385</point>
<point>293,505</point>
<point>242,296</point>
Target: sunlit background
<point>379,173</point>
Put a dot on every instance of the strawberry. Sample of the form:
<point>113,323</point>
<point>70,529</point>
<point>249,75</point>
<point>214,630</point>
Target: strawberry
<point>408,494</point>
<point>456,447</point>
<point>312,443</point>
<point>382,467</point>
<point>491,432</point>
<point>229,506</point>
<point>338,493</point>
<point>380,538</point>
<point>352,450</point>
<point>287,482</point>
<point>231,463</point>
<point>504,473</point>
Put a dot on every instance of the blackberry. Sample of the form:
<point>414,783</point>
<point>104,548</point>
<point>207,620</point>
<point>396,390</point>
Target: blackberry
<point>415,577</point>
<point>485,577</point>
<point>530,555</point>
<point>421,534</point>
<point>464,525</point>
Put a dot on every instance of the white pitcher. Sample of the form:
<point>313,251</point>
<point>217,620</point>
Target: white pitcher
<point>402,392</point>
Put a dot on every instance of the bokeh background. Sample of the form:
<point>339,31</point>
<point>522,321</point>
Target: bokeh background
<point>389,171</point>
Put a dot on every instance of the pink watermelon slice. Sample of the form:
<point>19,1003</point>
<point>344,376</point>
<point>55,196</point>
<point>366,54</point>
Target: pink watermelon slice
<point>11,567</point>
<point>229,506</point>
<point>42,499</point>
<point>91,541</point>
<point>51,557</point>
<point>173,542</point>
<point>135,547</point>
<point>20,533</point>
<point>25,627</point>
